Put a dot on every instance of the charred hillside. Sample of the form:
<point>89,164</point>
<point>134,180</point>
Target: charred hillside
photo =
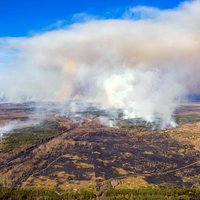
<point>62,153</point>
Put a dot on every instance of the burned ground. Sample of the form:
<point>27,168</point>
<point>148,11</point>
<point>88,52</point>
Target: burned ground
<point>71,155</point>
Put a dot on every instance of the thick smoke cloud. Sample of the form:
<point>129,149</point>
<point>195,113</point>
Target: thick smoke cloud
<point>144,63</point>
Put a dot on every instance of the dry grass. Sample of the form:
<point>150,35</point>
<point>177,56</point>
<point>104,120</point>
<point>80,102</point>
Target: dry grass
<point>121,171</point>
<point>132,182</point>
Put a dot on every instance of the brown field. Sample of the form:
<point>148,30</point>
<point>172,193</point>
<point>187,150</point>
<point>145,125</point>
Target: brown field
<point>64,154</point>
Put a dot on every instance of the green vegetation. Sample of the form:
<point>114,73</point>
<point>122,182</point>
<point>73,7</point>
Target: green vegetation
<point>30,136</point>
<point>154,194</point>
<point>113,194</point>
<point>22,194</point>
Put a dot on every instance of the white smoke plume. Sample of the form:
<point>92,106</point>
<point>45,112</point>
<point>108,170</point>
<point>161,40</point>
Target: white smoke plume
<point>16,124</point>
<point>143,64</point>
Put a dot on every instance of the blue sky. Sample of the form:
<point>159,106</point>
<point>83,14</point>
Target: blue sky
<point>24,17</point>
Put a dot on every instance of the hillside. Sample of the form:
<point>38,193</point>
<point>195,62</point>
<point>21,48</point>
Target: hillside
<point>61,153</point>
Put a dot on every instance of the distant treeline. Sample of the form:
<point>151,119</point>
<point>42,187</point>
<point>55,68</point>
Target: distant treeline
<point>154,194</point>
<point>34,194</point>
<point>113,194</point>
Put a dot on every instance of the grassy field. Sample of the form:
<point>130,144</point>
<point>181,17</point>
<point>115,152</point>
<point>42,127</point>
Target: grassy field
<point>63,159</point>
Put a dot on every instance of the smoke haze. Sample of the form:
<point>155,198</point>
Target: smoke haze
<point>144,63</point>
